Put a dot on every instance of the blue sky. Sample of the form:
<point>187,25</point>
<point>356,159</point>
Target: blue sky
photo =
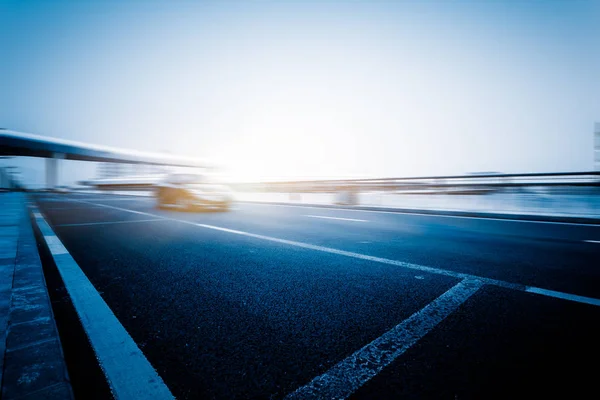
<point>312,88</point>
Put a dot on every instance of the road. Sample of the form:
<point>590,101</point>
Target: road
<point>260,301</point>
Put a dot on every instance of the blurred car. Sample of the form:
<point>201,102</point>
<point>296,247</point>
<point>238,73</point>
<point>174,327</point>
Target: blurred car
<point>190,191</point>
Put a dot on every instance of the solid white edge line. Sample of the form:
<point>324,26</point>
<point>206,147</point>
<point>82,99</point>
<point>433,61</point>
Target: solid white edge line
<point>592,241</point>
<point>350,374</point>
<point>336,218</point>
<point>127,371</point>
<point>564,296</point>
<point>437,271</point>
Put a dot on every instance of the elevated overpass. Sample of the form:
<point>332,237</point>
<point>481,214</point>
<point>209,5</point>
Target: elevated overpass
<point>13,143</point>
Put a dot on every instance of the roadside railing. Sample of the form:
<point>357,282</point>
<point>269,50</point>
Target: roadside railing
<point>461,183</point>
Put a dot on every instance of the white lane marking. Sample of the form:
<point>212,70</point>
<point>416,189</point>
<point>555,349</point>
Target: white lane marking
<point>37,214</point>
<point>433,214</point>
<point>438,271</point>
<point>565,296</point>
<point>592,241</point>
<point>111,222</point>
<point>312,247</point>
<point>350,374</point>
<point>127,371</point>
<point>337,218</point>
<point>54,244</point>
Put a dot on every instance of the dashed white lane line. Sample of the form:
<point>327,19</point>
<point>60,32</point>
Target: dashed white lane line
<point>350,374</point>
<point>127,371</point>
<point>337,218</point>
<point>112,222</point>
<point>438,271</point>
<point>592,241</point>
<point>407,212</point>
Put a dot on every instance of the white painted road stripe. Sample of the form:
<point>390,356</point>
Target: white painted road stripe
<point>381,260</point>
<point>592,241</point>
<point>128,373</point>
<point>111,222</point>
<point>340,219</point>
<point>350,374</point>
<point>566,296</point>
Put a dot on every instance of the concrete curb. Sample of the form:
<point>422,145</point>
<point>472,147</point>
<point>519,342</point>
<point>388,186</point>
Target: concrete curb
<point>34,364</point>
<point>127,371</point>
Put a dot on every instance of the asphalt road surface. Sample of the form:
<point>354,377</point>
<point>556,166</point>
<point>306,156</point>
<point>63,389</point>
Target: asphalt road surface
<point>268,301</point>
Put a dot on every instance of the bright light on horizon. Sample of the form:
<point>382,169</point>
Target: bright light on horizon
<point>311,89</point>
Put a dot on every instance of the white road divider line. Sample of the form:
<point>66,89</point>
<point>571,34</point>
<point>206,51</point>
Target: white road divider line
<point>350,374</point>
<point>111,222</point>
<point>337,218</point>
<point>592,241</point>
<point>417,267</point>
<point>565,296</point>
<point>127,371</point>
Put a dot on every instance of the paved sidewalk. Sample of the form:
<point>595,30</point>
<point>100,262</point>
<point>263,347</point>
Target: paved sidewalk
<point>32,365</point>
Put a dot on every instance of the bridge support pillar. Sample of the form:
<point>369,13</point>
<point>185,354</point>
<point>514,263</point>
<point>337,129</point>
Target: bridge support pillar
<point>51,173</point>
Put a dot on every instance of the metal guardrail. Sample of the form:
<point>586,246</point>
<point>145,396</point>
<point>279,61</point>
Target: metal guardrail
<point>432,184</point>
<point>448,183</point>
